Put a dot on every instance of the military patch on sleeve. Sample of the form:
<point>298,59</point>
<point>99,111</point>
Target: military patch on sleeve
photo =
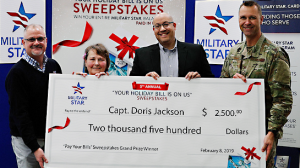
<point>285,56</point>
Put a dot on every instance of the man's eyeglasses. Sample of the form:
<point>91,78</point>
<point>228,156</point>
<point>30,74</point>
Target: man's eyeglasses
<point>39,39</point>
<point>165,25</point>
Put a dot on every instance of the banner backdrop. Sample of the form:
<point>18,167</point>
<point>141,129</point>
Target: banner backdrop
<point>291,129</point>
<point>216,28</point>
<point>15,16</point>
<point>281,25</point>
<point>120,25</point>
<point>280,16</point>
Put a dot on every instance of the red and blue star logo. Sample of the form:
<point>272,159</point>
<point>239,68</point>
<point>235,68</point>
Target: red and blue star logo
<point>218,21</point>
<point>21,17</point>
<point>78,88</point>
<point>281,160</point>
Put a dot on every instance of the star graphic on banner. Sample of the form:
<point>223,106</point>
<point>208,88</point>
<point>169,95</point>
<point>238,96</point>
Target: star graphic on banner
<point>78,88</point>
<point>218,21</point>
<point>21,17</point>
<point>281,160</point>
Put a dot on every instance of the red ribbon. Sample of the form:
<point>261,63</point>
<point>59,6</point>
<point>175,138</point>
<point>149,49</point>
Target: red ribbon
<point>125,46</point>
<point>250,153</point>
<point>249,89</point>
<point>136,86</point>
<point>60,127</point>
<point>71,43</point>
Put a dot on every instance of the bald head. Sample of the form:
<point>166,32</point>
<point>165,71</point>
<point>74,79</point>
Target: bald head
<point>162,15</point>
<point>34,26</point>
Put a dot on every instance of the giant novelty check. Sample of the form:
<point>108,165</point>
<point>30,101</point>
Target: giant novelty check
<point>140,122</point>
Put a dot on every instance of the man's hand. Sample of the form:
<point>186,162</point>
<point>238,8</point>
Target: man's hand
<point>153,74</point>
<point>192,75</point>
<point>237,75</point>
<point>268,143</point>
<point>40,157</point>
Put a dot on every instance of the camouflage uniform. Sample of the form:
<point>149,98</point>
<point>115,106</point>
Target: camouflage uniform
<point>268,61</point>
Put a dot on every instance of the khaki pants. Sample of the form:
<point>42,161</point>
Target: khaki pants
<point>25,157</point>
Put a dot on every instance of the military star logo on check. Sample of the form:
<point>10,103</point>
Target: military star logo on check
<point>78,88</point>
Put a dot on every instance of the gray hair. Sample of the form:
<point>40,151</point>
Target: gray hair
<point>33,25</point>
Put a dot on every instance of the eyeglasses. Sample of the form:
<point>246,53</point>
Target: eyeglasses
<point>39,39</point>
<point>165,25</point>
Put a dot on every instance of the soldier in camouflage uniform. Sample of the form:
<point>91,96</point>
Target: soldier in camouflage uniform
<point>258,57</point>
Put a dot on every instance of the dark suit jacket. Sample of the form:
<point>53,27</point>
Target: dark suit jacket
<point>191,57</point>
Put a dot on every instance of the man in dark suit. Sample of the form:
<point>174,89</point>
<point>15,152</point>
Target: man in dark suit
<point>170,57</point>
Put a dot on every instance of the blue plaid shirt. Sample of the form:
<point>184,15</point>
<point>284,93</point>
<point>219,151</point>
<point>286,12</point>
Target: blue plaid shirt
<point>34,63</point>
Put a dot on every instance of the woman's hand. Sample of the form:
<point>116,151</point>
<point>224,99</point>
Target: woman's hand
<point>80,73</point>
<point>98,75</point>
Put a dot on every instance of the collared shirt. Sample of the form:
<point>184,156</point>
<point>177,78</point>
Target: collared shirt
<point>34,63</point>
<point>169,61</point>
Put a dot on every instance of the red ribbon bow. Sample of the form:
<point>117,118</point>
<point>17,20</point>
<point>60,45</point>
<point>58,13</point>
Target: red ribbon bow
<point>60,127</point>
<point>250,153</point>
<point>136,86</point>
<point>125,46</point>
<point>71,43</point>
<point>249,89</point>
